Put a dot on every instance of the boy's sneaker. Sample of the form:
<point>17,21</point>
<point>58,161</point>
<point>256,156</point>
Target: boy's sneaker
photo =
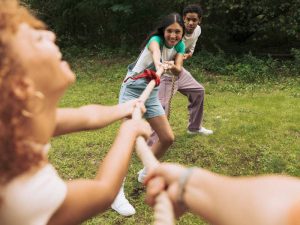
<point>202,131</point>
<point>122,205</point>
<point>142,174</point>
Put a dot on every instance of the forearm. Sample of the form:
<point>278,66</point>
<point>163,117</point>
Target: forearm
<point>156,59</point>
<point>156,54</point>
<point>115,164</point>
<point>241,201</point>
<point>86,118</point>
<point>99,116</point>
<point>176,70</point>
<point>188,55</point>
<point>199,194</point>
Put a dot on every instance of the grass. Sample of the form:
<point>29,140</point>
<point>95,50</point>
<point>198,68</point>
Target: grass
<point>256,131</point>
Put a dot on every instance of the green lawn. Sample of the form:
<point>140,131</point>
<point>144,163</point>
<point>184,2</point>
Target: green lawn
<point>256,131</point>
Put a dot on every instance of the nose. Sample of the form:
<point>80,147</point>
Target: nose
<point>173,35</point>
<point>49,35</point>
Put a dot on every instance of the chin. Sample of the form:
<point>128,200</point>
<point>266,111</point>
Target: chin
<point>67,72</point>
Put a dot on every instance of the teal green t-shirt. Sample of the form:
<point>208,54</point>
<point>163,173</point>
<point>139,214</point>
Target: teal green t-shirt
<point>179,47</point>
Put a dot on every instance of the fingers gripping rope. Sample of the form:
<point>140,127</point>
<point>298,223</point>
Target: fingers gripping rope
<point>163,208</point>
<point>148,74</point>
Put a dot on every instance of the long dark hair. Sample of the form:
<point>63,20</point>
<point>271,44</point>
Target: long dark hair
<point>164,23</point>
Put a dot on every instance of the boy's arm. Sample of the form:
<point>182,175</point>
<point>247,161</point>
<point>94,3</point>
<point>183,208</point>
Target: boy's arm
<point>190,51</point>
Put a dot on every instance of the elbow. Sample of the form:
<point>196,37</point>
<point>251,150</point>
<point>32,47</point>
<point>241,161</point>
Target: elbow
<point>110,195</point>
<point>112,189</point>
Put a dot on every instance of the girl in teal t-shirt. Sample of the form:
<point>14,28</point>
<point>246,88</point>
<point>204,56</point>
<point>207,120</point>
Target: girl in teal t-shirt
<point>163,45</point>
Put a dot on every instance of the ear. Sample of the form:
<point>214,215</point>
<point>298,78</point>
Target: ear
<point>22,87</point>
<point>200,20</point>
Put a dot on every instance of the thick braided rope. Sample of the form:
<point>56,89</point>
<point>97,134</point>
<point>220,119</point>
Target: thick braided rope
<point>171,96</point>
<point>163,210</point>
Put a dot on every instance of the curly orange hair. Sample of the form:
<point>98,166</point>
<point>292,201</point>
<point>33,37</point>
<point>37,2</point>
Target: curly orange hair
<point>16,157</point>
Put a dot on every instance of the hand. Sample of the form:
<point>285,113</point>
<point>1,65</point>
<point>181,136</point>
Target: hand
<point>137,127</point>
<point>168,66</point>
<point>165,177</point>
<point>187,56</point>
<point>128,107</point>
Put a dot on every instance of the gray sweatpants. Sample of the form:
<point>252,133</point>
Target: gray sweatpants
<point>188,86</point>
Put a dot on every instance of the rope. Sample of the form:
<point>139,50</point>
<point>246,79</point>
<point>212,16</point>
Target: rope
<point>170,99</point>
<point>148,74</point>
<point>163,210</point>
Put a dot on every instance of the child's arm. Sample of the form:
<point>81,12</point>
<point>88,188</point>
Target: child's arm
<point>86,198</point>
<point>91,117</point>
<point>156,54</point>
<point>263,200</point>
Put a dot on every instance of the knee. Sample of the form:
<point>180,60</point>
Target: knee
<point>168,140</point>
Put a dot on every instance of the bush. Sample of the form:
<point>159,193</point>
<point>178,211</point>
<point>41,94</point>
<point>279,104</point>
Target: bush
<point>247,68</point>
<point>251,69</point>
<point>215,63</point>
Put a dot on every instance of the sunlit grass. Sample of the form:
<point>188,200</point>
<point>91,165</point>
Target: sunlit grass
<point>256,131</point>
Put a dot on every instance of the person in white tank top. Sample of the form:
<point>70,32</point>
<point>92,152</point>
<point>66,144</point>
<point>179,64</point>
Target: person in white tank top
<point>33,78</point>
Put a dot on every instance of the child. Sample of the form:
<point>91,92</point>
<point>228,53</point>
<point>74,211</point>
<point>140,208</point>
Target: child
<point>162,46</point>
<point>33,78</point>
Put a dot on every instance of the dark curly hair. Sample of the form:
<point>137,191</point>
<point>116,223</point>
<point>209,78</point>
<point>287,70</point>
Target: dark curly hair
<point>193,8</point>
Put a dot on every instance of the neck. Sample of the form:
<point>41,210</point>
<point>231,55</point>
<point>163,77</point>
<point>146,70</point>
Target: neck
<point>42,126</point>
<point>189,32</point>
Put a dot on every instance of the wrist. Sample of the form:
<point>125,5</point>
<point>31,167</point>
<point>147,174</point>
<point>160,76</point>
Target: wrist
<point>182,186</point>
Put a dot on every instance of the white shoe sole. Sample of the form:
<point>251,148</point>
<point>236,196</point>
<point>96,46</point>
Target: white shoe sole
<point>198,132</point>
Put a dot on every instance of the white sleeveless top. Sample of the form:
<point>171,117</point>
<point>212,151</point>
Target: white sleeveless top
<point>32,200</point>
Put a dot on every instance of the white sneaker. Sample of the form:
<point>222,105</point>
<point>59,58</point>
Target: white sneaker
<point>202,131</point>
<point>142,174</point>
<point>122,205</point>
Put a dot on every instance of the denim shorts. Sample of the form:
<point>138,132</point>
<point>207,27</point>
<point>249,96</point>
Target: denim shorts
<point>132,89</point>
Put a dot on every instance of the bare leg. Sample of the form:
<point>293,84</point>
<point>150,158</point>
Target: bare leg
<point>165,135</point>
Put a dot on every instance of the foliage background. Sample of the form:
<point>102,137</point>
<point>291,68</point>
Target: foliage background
<point>268,26</point>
